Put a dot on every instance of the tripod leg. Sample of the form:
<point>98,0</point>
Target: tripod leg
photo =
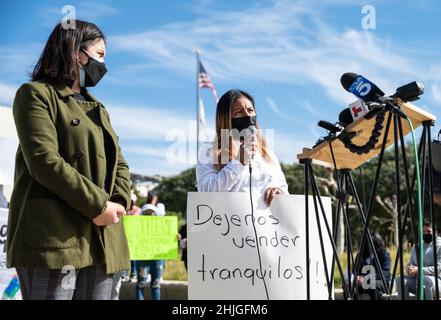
<point>369,238</point>
<point>316,190</point>
<point>337,222</point>
<point>348,238</point>
<point>409,189</point>
<point>398,195</point>
<point>308,275</point>
<point>431,204</point>
<point>325,265</point>
<point>372,195</point>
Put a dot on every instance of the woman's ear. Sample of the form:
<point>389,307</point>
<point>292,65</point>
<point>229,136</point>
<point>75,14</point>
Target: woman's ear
<point>82,58</point>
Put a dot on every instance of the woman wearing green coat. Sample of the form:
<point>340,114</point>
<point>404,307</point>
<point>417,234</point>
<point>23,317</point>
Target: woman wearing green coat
<point>72,185</point>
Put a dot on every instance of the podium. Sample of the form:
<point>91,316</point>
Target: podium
<point>334,153</point>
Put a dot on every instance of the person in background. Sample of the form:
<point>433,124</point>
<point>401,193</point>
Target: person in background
<point>367,259</point>
<point>182,238</point>
<point>411,280</point>
<point>134,211</point>
<point>152,269</point>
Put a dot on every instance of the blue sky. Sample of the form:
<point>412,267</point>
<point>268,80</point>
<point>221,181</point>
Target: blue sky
<point>288,54</point>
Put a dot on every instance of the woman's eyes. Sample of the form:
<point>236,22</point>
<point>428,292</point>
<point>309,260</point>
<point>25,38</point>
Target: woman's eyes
<point>240,111</point>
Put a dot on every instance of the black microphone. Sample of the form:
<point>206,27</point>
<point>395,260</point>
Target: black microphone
<point>345,117</point>
<point>331,127</point>
<point>410,91</point>
<point>361,87</point>
<point>357,110</point>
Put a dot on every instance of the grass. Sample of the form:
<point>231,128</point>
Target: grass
<point>175,270</point>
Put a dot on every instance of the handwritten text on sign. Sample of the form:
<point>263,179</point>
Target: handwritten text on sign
<point>234,254</point>
<point>152,238</point>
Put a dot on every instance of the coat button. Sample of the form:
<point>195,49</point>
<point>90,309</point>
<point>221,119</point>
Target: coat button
<point>79,154</point>
<point>76,121</point>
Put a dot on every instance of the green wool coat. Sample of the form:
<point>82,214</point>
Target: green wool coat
<point>59,181</point>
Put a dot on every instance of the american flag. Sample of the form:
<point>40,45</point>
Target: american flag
<point>205,82</point>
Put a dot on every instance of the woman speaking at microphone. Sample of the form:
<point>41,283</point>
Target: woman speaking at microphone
<point>225,165</point>
<point>72,185</point>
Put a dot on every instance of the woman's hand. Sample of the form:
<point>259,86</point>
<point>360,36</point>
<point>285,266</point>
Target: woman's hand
<point>270,193</point>
<point>111,214</point>
<point>246,152</point>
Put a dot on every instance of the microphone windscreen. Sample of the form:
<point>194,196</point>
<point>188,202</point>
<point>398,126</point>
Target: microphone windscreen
<point>410,91</point>
<point>348,79</point>
<point>345,117</point>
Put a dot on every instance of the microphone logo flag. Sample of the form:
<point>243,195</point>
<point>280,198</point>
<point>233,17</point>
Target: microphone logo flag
<point>358,109</point>
<point>361,87</point>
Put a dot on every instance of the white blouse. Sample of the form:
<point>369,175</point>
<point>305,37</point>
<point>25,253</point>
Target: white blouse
<point>234,177</point>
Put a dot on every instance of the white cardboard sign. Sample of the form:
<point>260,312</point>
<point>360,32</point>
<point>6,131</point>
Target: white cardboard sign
<point>224,261</point>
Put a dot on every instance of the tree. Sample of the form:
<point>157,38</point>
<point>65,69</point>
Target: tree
<point>173,190</point>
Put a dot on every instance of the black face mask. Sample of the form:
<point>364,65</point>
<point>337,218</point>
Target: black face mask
<point>242,123</point>
<point>427,237</point>
<point>93,72</point>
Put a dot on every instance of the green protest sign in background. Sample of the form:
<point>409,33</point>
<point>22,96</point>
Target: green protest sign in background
<point>152,238</point>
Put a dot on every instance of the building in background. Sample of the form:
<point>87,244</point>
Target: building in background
<point>142,184</point>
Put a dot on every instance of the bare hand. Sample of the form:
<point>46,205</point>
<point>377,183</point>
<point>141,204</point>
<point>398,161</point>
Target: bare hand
<point>111,215</point>
<point>412,270</point>
<point>270,194</point>
<point>246,152</point>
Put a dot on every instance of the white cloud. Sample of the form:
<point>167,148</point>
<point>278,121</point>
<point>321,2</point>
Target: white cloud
<point>294,45</point>
<point>436,93</point>
<point>16,62</point>
<point>281,114</point>
<point>147,123</point>
<point>287,146</point>
<point>145,151</point>
<point>7,94</point>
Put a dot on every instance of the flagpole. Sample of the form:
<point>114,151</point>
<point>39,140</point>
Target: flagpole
<point>197,52</point>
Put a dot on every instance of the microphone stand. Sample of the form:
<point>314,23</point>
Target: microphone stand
<point>250,167</point>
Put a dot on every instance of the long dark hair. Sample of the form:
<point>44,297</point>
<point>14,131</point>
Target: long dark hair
<point>59,60</point>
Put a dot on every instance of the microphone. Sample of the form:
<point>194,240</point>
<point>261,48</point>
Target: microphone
<point>361,87</point>
<point>251,130</point>
<point>356,110</point>
<point>369,92</point>
<point>331,127</point>
<point>410,91</point>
